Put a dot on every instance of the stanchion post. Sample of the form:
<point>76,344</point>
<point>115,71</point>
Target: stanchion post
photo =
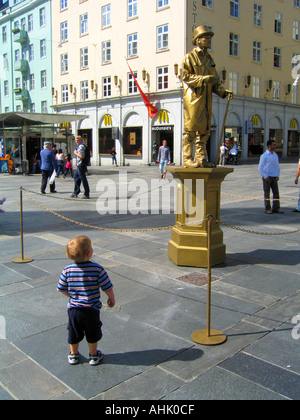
<point>208,337</point>
<point>21,260</point>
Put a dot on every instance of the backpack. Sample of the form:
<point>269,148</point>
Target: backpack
<point>87,156</point>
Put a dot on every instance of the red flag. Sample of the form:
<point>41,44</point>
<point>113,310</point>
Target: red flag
<point>152,111</point>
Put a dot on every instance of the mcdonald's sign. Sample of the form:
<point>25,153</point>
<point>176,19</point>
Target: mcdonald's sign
<point>255,120</point>
<point>293,123</point>
<point>107,120</point>
<point>163,116</point>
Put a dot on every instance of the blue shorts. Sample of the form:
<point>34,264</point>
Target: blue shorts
<point>84,322</point>
<point>162,166</point>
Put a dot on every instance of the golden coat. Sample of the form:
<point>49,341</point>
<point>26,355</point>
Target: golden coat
<point>197,96</point>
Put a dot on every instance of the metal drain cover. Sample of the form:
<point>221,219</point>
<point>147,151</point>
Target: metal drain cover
<point>197,279</point>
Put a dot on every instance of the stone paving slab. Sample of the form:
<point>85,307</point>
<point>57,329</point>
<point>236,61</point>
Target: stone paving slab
<point>148,350</point>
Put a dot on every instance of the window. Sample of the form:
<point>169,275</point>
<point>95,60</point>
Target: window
<point>18,83</point>
<point>17,55</point>
<point>296,26</point>
<point>32,107</point>
<point>64,31</point>
<point>162,37</point>
<point>24,53</point>
<point>31,82</point>
<point>106,52</point>
<point>64,65</point>
<point>5,62</point>
<point>133,141</point>
<point>43,48</point>
<point>234,8</point>
<point>162,78</point>
<point>42,17</point>
<point>208,4</point>
<point>162,3</point>
<point>43,79</point>
<point>44,107</point>
<point>234,82</point>
<point>25,82</point>
<point>84,24</point>
<point>132,87</point>
<point>257,15</point>
<point>257,51</point>
<point>234,45</point>
<point>278,23</point>
<point>294,94</point>
<point>18,108</point>
<point>23,24</point>
<point>84,58</point>
<point>106,85</point>
<point>132,45</point>
<point>63,4</point>
<point>297,3</point>
<point>277,57</point>
<point>4,34</point>
<point>276,91</point>
<point>256,83</point>
<point>106,16</point>
<point>84,90</point>
<point>6,89</point>
<point>132,9</point>
<point>31,52</point>
<point>64,94</point>
<point>30,23</point>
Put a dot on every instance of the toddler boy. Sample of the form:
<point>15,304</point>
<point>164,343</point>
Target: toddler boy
<point>81,282</point>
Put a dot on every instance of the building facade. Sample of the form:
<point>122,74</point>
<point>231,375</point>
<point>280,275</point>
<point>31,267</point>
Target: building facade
<point>93,43</point>
<point>26,56</point>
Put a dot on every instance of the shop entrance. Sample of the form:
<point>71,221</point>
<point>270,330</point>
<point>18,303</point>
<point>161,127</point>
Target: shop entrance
<point>158,135</point>
<point>33,149</point>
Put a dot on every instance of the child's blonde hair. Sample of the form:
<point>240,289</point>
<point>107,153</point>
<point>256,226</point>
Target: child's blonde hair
<point>78,248</point>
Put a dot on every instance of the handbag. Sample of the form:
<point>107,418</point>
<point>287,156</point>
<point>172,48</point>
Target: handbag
<point>52,178</point>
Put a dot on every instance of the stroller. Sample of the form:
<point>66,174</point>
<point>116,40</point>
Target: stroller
<point>234,156</point>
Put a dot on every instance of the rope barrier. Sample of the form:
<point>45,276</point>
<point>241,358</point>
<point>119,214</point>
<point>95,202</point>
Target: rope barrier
<point>150,229</point>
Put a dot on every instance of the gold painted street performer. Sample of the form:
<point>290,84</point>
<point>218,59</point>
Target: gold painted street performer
<point>200,80</point>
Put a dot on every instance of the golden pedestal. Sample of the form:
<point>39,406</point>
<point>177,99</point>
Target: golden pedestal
<point>198,195</point>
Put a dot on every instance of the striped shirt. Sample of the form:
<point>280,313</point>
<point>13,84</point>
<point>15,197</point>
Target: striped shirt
<point>82,281</point>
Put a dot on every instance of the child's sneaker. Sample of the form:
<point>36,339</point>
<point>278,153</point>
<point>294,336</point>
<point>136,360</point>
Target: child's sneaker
<point>73,359</point>
<point>95,360</point>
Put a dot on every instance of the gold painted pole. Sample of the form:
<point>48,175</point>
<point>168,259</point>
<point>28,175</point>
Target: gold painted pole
<point>223,128</point>
<point>208,337</point>
<point>21,260</point>
<point>209,217</point>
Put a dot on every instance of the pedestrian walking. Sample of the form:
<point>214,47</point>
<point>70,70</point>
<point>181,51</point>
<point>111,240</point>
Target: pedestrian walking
<point>81,282</point>
<point>113,157</point>
<point>223,150</point>
<point>48,165</point>
<point>60,158</point>
<point>297,210</point>
<point>69,166</point>
<point>270,171</point>
<point>164,158</point>
<point>80,173</point>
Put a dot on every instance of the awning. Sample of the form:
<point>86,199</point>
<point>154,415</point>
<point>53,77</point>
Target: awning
<point>21,119</point>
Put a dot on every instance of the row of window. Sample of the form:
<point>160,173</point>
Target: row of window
<point>29,108</point>
<point>107,84</point>
<point>25,25</point>
<point>258,90</point>
<point>25,80</point>
<point>132,9</point>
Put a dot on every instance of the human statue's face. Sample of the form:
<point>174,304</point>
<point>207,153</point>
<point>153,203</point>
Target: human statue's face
<point>204,42</point>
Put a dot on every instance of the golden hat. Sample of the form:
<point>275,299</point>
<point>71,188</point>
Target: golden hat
<point>201,31</point>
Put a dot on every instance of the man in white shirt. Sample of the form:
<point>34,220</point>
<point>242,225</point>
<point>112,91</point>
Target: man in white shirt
<point>270,171</point>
